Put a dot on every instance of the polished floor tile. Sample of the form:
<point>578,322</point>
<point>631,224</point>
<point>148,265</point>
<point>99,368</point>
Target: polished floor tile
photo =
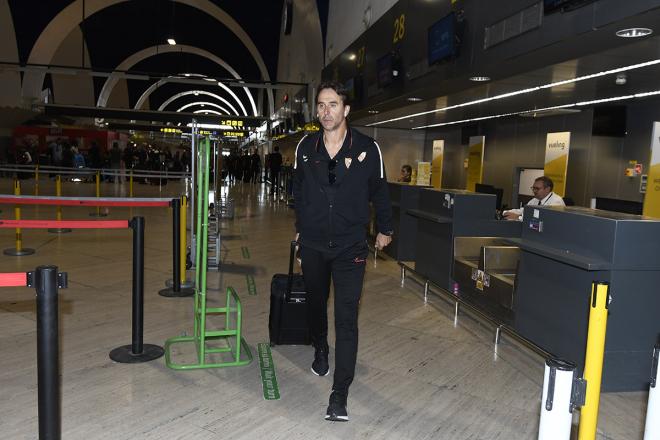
<point>419,374</point>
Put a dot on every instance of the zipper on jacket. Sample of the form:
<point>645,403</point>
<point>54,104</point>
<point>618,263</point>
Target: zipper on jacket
<point>331,234</point>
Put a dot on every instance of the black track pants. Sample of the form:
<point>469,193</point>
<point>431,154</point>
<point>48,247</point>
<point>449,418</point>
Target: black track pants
<point>346,269</point>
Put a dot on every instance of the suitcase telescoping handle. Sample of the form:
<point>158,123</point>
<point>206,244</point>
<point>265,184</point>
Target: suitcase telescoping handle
<point>289,281</point>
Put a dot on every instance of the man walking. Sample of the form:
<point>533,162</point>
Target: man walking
<point>338,171</point>
<point>275,164</point>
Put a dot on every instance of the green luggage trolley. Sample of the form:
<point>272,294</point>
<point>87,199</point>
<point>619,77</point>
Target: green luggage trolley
<point>227,342</point>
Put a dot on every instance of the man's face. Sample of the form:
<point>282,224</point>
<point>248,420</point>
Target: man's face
<point>331,110</point>
<point>540,190</point>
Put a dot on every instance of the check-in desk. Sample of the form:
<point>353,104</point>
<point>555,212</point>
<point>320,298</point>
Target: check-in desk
<point>446,214</point>
<point>562,251</point>
<point>485,269</point>
<point>404,241</point>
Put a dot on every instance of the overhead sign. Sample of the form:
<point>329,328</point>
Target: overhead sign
<point>652,196</point>
<point>232,122</point>
<point>475,169</point>
<point>171,130</point>
<point>436,163</point>
<point>233,133</point>
<point>556,159</point>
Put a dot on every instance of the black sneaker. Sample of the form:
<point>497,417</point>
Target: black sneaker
<point>320,365</point>
<point>337,408</point>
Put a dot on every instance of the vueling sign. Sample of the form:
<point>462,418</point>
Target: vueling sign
<point>652,196</point>
<point>557,146</point>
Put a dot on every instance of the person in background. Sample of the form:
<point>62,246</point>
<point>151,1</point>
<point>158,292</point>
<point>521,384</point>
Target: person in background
<point>543,196</point>
<point>115,159</point>
<point>406,173</point>
<point>78,158</point>
<point>255,166</point>
<point>275,164</point>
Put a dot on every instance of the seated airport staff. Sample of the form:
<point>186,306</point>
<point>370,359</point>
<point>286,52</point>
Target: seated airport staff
<point>406,174</point>
<point>543,196</point>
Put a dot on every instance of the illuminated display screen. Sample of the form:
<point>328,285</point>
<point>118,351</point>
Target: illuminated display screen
<point>554,5</point>
<point>441,39</point>
<point>233,133</point>
<point>232,123</point>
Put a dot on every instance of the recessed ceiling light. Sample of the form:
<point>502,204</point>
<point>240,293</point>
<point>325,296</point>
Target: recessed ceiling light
<point>171,41</point>
<point>413,99</point>
<point>523,91</point>
<point>479,78</point>
<point>565,106</point>
<point>352,57</point>
<point>634,32</point>
<point>373,112</point>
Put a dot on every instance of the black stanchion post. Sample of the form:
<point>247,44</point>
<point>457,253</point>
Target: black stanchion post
<point>137,352</point>
<point>48,365</point>
<point>176,290</point>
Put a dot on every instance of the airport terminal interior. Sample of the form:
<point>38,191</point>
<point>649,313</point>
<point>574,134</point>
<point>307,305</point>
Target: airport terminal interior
<point>150,188</point>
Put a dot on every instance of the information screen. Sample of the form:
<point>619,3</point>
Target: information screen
<point>441,39</point>
<point>385,68</point>
<point>554,5</point>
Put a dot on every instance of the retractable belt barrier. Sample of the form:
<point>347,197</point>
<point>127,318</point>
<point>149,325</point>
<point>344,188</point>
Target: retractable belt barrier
<point>18,250</point>
<point>110,172</point>
<point>143,202</point>
<point>137,351</point>
<point>72,224</point>
<point>179,239</point>
<point>46,280</point>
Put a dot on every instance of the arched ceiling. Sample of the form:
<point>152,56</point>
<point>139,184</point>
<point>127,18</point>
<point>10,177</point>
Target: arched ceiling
<point>247,39</point>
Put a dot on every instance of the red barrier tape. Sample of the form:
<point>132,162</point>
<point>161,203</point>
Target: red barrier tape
<point>71,224</point>
<point>15,279</point>
<point>63,201</point>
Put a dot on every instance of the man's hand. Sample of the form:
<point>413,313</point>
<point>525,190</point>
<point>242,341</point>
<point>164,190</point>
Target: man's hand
<point>382,240</point>
<point>511,215</point>
<point>298,250</point>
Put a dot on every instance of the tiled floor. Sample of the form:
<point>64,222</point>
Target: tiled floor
<point>418,376</point>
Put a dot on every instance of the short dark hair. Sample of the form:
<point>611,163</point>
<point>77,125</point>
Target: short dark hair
<point>276,148</point>
<point>408,168</point>
<point>337,87</point>
<point>547,182</point>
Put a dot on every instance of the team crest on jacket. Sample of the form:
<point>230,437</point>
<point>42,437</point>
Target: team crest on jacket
<point>348,161</point>
<point>362,156</point>
<point>304,158</point>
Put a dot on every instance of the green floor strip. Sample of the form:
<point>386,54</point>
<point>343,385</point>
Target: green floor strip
<point>252,287</point>
<point>267,368</point>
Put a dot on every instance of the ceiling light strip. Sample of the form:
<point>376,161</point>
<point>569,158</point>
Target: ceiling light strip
<point>203,103</point>
<point>523,91</point>
<point>538,110</point>
<point>206,111</point>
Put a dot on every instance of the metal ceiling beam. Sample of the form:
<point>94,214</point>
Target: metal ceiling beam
<point>142,115</point>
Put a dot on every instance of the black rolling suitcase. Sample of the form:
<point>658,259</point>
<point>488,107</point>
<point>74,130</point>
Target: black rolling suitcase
<point>287,323</point>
